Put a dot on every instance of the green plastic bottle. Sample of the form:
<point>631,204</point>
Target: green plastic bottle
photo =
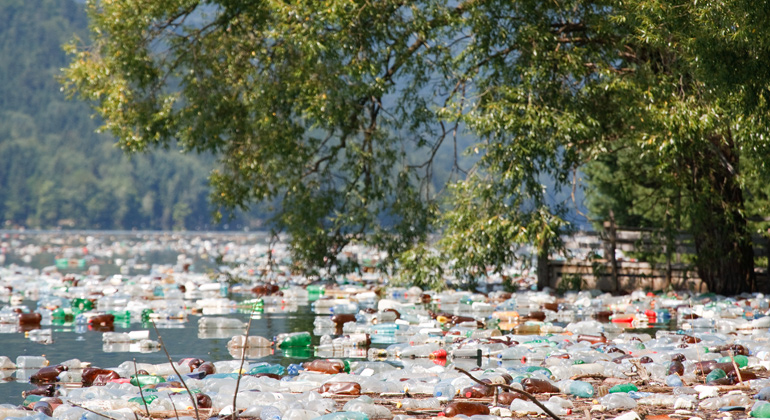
<point>761,411</point>
<point>740,360</point>
<point>295,339</point>
<point>267,368</point>
<point>148,399</point>
<point>715,374</point>
<point>623,388</point>
<point>144,380</point>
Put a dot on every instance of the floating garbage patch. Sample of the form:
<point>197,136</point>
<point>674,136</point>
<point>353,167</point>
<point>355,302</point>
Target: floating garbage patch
<point>366,349</point>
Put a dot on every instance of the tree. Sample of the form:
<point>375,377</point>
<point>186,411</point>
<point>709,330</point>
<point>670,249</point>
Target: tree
<point>335,110</point>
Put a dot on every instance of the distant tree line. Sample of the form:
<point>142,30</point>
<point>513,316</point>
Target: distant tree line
<point>55,169</point>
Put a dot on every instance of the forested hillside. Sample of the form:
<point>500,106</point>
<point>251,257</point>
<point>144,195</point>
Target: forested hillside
<point>55,170</point>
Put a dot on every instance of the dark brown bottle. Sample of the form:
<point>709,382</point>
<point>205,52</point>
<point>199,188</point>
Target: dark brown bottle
<point>32,318</point>
<point>47,374</point>
<point>478,391</point>
<point>465,408</point>
<point>102,320</point>
<point>538,386</point>
<point>341,319</point>
<point>95,376</point>
<point>204,401</point>
<point>43,407</point>
<point>506,398</point>
<point>42,390</point>
<point>341,388</point>
<point>191,362</point>
<point>325,366</point>
<point>207,367</point>
<point>676,367</point>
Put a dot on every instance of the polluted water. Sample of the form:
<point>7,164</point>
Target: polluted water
<point>222,326</point>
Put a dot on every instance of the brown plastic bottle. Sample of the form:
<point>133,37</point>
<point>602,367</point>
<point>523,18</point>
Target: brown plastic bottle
<point>32,318</point>
<point>465,408</point>
<point>676,367</point>
<point>341,319</point>
<point>325,366</point>
<point>204,401</point>
<point>93,376</point>
<point>478,391</point>
<point>191,362</point>
<point>538,386</point>
<point>102,320</point>
<point>43,407</point>
<point>43,390</point>
<point>207,367</point>
<point>341,388</point>
<point>506,398</point>
<point>47,374</point>
<point>703,368</point>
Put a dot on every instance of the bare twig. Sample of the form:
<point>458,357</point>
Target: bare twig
<point>510,388</point>
<point>141,394</point>
<point>91,411</point>
<point>243,359</point>
<point>735,366</point>
<point>179,375</point>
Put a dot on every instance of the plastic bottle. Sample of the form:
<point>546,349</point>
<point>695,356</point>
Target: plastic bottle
<point>267,368</point>
<point>715,374</point>
<point>47,374</point>
<point>253,341</point>
<point>478,391</point>
<point>580,389</point>
<point>465,408</point>
<point>341,388</point>
<point>761,410</point>
<point>331,366</point>
<point>91,376</point>
<point>31,362</point>
<point>415,404</point>
<point>674,380</point>
<point>144,380</point>
<point>619,401</point>
<point>539,386</point>
<point>623,388</point>
<point>295,339</point>
<point>270,413</point>
<point>505,398</point>
<point>444,390</point>
<point>43,407</point>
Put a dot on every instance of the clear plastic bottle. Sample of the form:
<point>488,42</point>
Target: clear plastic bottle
<point>444,390</point>
<point>580,389</point>
<point>270,413</point>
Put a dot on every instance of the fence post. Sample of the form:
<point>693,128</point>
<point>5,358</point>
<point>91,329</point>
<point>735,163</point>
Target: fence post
<point>609,249</point>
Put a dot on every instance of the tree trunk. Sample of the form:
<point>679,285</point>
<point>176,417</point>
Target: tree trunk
<point>724,252</point>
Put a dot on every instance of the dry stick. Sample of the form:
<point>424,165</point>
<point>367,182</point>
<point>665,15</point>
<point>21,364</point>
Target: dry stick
<point>163,346</point>
<point>176,413</point>
<point>510,388</point>
<point>243,359</point>
<point>141,394</point>
<point>737,371</point>
<point>92,411</point>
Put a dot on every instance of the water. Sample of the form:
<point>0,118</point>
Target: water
<point>181,340</point>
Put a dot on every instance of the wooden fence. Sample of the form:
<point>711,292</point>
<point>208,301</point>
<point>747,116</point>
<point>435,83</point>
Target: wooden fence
<point>602,260</point>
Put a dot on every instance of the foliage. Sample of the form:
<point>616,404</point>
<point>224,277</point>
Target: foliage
<point>335,111</point>
<point>56,171</point>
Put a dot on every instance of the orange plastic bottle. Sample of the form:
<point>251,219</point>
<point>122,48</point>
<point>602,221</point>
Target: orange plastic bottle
<point>325,366</point>
<point>341,388</point>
